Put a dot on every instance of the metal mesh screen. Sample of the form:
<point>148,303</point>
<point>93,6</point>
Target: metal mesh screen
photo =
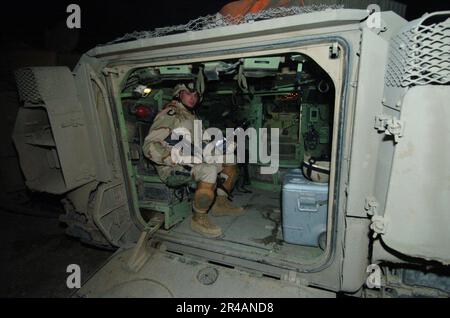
<point>218,20</point>
<point>26,83</point>
<point>420,55</point>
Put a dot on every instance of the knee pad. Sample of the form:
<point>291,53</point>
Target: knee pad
<point>203,197</point>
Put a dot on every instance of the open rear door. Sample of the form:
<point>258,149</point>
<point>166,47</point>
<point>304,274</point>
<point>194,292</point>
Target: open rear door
<point>64,135</point>
<point>50,133</point>
<point>412,210</point>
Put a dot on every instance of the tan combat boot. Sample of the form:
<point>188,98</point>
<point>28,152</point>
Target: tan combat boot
<point>200,223</point>
<point>223,206</point>
<point>203,225</point>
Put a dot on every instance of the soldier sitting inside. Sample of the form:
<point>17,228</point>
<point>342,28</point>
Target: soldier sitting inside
<point>180,113</point>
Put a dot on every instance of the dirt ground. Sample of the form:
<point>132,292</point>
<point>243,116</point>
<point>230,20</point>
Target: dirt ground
<point>35,254</point>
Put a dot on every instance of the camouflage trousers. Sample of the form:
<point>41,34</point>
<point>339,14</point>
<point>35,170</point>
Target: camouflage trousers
<point>178,175</point>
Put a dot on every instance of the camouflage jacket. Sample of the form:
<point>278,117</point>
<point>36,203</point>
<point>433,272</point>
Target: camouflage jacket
<point>173,115</point>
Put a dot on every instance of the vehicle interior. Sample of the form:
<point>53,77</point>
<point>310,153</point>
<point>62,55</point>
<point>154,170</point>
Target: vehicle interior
<point>289,91</point>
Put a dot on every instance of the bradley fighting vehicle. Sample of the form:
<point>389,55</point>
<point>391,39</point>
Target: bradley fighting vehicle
<point>366,94</point>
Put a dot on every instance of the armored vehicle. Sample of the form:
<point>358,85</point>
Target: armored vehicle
<point>365,94</point>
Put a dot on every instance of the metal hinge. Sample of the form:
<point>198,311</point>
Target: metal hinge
<point>334,51</point>
<point>371,206</point>
<point>378,224</point>
<point>390,125</point>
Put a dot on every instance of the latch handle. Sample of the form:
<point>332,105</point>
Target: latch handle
<point>307,204</point>
<point>390,126</point>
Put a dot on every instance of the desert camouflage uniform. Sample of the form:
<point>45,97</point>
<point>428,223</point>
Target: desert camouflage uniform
<point>175,115</point>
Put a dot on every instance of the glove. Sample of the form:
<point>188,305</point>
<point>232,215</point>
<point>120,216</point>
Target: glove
<point>179,156</point>
<point>225,146</point>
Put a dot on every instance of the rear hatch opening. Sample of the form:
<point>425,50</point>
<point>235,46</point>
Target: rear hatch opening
<point>286,90</point>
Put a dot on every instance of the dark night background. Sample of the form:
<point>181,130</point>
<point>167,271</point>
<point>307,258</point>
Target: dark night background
<point>102,21</point>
